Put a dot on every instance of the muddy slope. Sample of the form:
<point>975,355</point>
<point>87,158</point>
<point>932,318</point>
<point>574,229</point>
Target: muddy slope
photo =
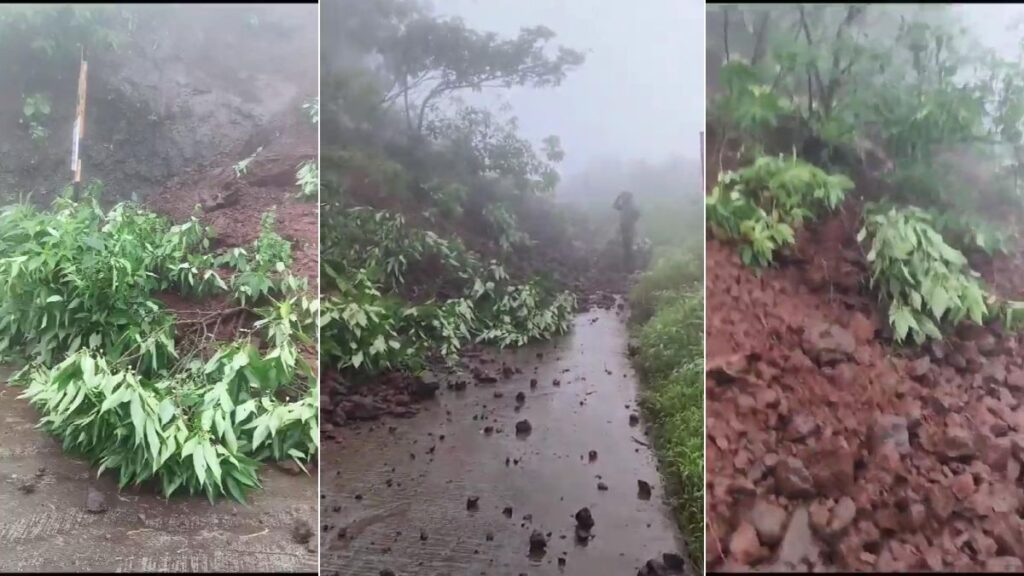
<point>455,489</point>
<point>828,448</point>
<point>184,92</point>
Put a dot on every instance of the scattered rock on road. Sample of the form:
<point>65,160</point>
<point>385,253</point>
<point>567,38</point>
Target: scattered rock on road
<point>643,490</point>
<point>95,501</point>
<point>523,428</point>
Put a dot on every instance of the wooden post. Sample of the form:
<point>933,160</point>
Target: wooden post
<point>79,130</point>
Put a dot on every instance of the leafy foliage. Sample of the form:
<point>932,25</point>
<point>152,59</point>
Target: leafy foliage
<point>123,382</point>
<point>312,108</point>
<point>925,282</point>
<point>670,361</point>
<point>762,204</point>
<point>35,112</point>
<point>365,328</point>
<point>433,57</point>
<point>308,179</point>
<point>242,166</point>
<point>55,32</point>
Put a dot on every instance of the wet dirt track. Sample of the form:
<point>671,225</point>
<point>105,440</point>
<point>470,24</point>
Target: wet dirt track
<point>382,487</point>
<point>49,529</point>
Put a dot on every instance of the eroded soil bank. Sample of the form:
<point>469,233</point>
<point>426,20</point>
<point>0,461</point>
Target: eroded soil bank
<point>453,489</point>
<point>828,448</point>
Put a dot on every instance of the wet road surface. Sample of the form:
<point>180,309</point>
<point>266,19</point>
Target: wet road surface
<point>395,493</point>
<point>49,529</point>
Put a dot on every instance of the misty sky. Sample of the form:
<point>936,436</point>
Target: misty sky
<point>997,26</point>
<point>640,94</point>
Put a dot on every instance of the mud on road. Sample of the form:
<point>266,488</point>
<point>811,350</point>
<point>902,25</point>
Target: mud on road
<point>396,492</point>
<point>45,524</point>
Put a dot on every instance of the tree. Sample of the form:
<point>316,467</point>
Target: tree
<point>430,58</point>
<point>486,145</point>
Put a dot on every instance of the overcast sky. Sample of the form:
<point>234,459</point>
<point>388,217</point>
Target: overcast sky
<point>640,93</point>
<point>997,26</point>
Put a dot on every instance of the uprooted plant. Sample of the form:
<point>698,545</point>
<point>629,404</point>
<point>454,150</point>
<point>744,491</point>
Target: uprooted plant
<point>925,282</point>
<point>762,204</point>
<point>364,327</point>
<point>124,381</point>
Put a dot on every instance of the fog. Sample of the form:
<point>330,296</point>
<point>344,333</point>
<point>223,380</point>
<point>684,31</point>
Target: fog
<point>996,26</point>
<point>638,96</point>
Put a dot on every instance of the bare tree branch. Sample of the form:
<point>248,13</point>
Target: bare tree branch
<point>725,31</point>
<point>760,37</point>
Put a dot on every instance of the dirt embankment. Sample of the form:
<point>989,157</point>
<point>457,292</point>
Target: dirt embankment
<point>186,90</point>
<point>829,448</point>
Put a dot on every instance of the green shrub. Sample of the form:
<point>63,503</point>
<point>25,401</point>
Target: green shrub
<point>672,272</point>
<point>670,361</point>
<point>308,180</point>
<point>762,204</point>
<point>122,381</point>
<point>367,325</point>
<point>925,282</point>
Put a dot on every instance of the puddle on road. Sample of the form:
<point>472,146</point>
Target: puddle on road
<point>398,498</point>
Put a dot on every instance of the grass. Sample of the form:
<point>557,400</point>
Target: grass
<point>668,301</point>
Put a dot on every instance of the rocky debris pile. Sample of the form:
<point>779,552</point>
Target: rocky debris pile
<point>393,394</point>
<point>830,449</point>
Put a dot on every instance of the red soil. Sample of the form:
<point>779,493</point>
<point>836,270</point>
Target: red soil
<point>829,448</point>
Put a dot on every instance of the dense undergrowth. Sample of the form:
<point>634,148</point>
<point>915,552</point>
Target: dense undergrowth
<point>124,381</point>
<point>899,98</point>
<point>424,196</point>
<point>668,311</point>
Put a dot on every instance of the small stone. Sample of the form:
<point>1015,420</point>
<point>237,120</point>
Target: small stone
<point>95,501</point>
<point>769,520</point>
<point>800,427</point>
<point>792,479</point>
<point>523,428</point>
<point>798,544</point>
<point>919,368</point>
<point>963,486</point>
<point>643,490</point>
<point>956,444</point>
<point>538,542</point>
<point>744,546</point>
<point>890,430</point>
<point>473,503</point>
<point>584,518</point>
<point>673,561</point>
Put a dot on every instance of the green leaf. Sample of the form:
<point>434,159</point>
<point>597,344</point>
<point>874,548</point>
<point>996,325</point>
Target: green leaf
<point>199,463</point>
<point>210,456</point>
<point>260,434</point>
<point>167,411</point>
<point>154,442</point>
<point>138,417</point>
